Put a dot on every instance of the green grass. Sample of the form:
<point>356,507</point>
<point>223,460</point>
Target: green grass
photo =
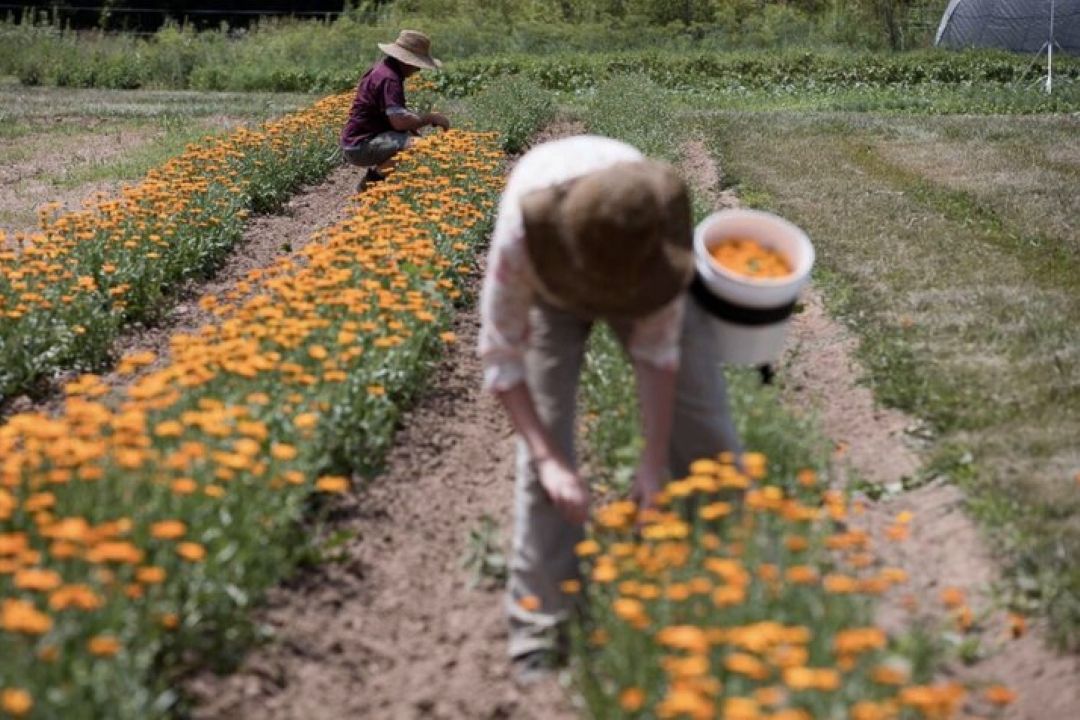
<point>949,245</point>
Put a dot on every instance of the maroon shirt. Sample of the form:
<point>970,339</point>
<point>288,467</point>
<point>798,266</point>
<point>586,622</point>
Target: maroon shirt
<point>381,89</point>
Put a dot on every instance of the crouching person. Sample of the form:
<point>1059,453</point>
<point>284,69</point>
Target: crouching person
<point>380,125</point>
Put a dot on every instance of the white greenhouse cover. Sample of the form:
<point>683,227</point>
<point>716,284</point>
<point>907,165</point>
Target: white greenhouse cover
<point>1020,25</point>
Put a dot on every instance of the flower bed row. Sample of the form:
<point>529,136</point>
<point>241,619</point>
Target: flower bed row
<point>748,597</point>
<point>751,594</point>
<point>135,529</point>
<point>66,291</point>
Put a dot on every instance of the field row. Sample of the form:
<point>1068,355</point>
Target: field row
<point>137,527</point>
<point>67,290</point>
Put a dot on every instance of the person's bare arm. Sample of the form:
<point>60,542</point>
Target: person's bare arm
<point>408,121</point>
<point>563,484</point>
<point>656,394</point>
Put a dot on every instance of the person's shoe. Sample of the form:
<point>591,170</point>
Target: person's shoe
<point>371,176</point>
<point>533,667</point>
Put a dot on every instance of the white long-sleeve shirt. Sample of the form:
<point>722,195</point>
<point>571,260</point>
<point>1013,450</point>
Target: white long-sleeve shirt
<point>509,289</point>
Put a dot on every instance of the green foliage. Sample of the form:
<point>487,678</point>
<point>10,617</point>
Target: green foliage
<point>689,43</point>
<point>516,108</point>
<point>615,110</point>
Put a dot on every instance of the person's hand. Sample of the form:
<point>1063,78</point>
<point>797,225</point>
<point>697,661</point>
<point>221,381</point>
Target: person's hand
<point>565,488</point>
<point>436,119</point>
<point>648,482</point>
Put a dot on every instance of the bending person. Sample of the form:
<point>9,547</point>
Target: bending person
<point>590,230</point>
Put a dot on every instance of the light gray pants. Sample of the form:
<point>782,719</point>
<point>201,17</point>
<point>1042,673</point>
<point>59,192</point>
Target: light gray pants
<point>542,555</point>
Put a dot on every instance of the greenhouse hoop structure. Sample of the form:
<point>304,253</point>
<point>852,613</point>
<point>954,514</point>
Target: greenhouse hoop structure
<point>1038,27</point>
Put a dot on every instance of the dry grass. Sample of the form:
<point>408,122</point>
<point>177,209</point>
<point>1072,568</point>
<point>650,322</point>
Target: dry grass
<point>62,145</point>
<point>950,245</point>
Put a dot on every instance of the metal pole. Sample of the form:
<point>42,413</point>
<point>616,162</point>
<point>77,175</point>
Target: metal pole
<point>1050,53</point>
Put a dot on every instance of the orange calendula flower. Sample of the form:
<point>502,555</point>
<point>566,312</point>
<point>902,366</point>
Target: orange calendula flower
<point>684,637</point>
<point>585,548</point>
<point>168,530</point>
<point>191,551</point>
<point>1017,625</point>
<point>184,486</point>
<point>332,484</point>
<point>632,699</point>
<point>37,579</point>
<point>282,451</point>
<point>16,702</point>
<point>20,616</point>
<point>570,587</point>
<point>306,421</point>
<point>150,575</point>
<point>103,645</point>
<point>952,597</point>
<point>78,597</point>
<point>1000,695</point>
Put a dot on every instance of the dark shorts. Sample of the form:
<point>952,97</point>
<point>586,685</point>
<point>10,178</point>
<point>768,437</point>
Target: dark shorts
<point>377,150</point>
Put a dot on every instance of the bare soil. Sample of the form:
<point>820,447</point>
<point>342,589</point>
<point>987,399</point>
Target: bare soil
<point>945,549</point>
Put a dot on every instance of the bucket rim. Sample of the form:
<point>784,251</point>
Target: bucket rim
<point>703,255</point>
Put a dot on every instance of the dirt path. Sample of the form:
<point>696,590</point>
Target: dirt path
<point>394,629</point>
<point>820,375</point>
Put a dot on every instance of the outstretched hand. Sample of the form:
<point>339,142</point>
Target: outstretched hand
<point>565,488</point>
<point>648,483</point>
<point>437,119</point>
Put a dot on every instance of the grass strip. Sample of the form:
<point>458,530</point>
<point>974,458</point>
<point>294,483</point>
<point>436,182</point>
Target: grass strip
<point>66,291</point>
<point>137,528</point>
<point>962,304</point>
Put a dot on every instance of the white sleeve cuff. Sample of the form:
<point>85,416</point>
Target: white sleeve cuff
<point>502,375</point>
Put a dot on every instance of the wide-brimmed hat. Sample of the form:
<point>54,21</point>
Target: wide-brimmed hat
<point>412,48</point>
<point>616,243</point>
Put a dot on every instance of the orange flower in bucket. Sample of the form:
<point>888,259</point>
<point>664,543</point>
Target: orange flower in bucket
<point>750,258</point>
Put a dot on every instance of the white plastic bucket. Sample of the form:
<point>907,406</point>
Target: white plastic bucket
<point>751,315</point>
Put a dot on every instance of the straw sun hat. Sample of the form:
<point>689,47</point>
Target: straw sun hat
<point>615,244</point>
<point>412,48</point>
